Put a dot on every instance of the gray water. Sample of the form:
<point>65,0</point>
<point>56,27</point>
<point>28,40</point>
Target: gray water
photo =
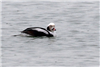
<point>76,43</point>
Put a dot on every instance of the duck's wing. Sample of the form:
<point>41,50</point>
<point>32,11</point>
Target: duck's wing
<point>36,31</point>
<point>39,29</point>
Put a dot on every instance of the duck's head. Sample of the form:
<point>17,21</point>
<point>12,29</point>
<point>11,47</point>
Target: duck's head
<point>51,27</point>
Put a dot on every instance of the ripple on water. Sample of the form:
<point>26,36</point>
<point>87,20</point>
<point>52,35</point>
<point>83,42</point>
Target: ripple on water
<point>75,45</point>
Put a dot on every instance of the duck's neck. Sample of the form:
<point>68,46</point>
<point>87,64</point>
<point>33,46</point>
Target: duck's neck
<point>53,33</point>
<point>48,28</point>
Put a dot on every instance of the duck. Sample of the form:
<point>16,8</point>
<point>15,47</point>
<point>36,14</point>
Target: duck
<point>40,31</point>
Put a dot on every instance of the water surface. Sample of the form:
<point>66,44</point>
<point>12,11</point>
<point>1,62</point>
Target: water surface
<point>76,43</point>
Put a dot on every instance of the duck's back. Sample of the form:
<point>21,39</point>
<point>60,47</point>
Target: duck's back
<point>37,31</point>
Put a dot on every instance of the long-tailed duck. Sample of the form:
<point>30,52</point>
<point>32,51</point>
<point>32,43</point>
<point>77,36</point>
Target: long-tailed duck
<point>39,31</point>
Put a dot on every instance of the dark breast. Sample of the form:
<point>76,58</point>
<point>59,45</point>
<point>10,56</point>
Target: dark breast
<point>33,31</point>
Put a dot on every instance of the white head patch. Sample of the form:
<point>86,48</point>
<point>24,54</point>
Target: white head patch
<point>51,24</point>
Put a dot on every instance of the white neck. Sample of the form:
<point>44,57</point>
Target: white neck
<point>53,33</point>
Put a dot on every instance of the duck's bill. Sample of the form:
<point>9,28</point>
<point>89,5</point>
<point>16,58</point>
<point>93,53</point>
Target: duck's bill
<point>54,29</point>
